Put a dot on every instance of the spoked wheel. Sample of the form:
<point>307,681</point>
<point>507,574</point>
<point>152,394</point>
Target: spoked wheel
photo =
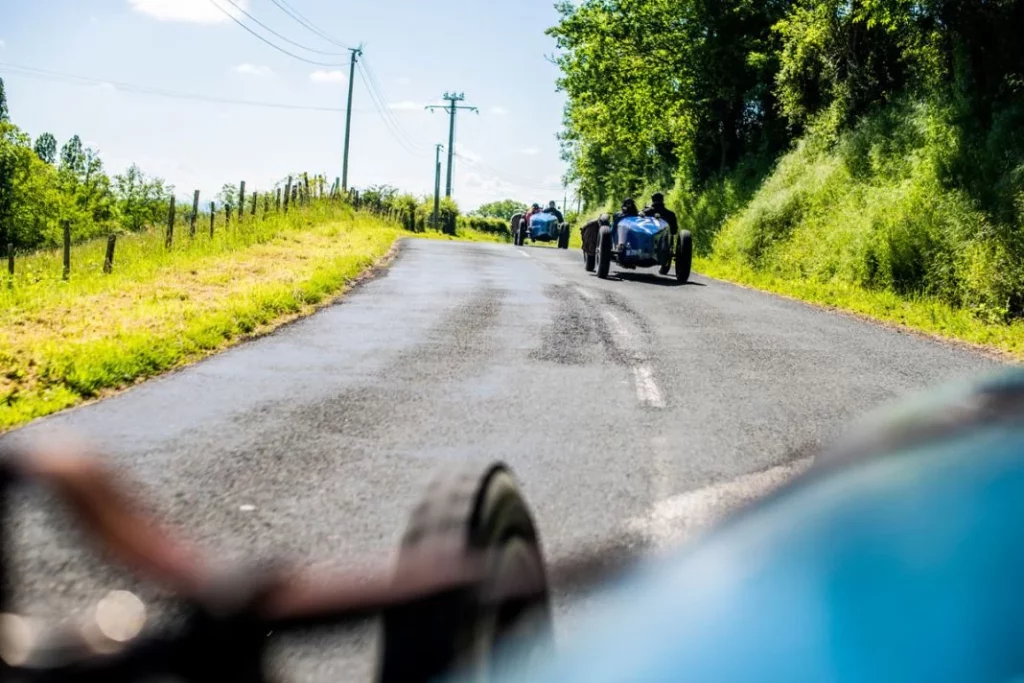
<point>563,237</point>
<point>478,512</point>
<point>604,252</point>
<point>590,261</point>
<point>684,256</point>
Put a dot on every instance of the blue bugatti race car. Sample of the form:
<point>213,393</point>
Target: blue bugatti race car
<point>540,227</point>
<point>637,242</point>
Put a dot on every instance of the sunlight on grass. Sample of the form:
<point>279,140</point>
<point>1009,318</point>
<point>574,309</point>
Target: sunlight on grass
<point>65,342</point>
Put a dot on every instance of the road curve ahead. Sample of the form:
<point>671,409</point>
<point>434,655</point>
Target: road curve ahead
<point>633,411</point>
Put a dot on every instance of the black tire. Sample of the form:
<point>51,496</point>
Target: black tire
<point>684,256</point>
<point>591,262</point>
<point>604,252</point>
<point>563,237</point>
<point>473,510</point>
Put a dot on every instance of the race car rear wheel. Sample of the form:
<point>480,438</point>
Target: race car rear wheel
<point>604,252</point>
<point>477,511</point>
<point>684,256</point>
<point>590,260</point>
<point>563,237</point>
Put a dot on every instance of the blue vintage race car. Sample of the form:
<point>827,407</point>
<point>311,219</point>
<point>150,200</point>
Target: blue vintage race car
<point>542,227</point>
<point>638,242</point>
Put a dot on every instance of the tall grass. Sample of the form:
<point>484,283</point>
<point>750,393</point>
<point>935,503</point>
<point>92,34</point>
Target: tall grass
<point>65,342</point>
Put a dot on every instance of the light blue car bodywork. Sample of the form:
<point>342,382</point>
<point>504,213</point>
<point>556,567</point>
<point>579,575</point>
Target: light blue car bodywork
<point>641,242</point>
<point>898,558</point>
<point>544,227</point>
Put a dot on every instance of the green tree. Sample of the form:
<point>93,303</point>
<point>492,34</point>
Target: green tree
<point>141,201</point>
<point>72,157</point>
<point>503,209</point>
<point>5,115</point>
<point>46,148</point>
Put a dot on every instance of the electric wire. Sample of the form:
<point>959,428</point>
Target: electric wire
<point>44,74</point>
<point>297,16</point>
<point>270,42</point>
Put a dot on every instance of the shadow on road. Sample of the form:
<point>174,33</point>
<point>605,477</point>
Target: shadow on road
<point>651,279</point>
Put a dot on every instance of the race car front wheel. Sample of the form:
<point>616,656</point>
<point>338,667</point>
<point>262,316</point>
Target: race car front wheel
<point>604,252</point>
<point>684,256</point>
<point>480,513</point>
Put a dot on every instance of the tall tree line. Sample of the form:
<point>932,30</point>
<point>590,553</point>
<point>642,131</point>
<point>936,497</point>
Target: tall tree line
<point>665,91</point>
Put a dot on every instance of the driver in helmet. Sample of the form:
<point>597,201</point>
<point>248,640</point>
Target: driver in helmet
<point>658,208</point>
<point>629,210</point>
<point>553,210</point>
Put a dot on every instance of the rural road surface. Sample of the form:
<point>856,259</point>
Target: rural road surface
<point>633,411</point>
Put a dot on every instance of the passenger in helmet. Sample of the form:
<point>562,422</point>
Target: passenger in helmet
<point>658,208</point>
<point>553,210</point>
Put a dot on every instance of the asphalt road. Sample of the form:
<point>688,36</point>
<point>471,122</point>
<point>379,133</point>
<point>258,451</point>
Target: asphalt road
<point>629,409</point>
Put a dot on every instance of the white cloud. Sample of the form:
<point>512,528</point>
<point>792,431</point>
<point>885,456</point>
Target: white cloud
<point>324,76</point>
<point>499,111</point>
<point>253,70</point>
<point>407,105</point>
<point>402,80</point>
<point>106,87</point>
<point>467,154</point>
<point>530,151</point>
<point>2,44</point>
<point>191,11</point>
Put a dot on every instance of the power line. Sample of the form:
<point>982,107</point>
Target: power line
<point>381,97</point>
<point>284,38</point>
<point>30,72</point>
<point>297,16</point>
<point>538,189</point>
<point>269,42</point>
<point>396,134</point>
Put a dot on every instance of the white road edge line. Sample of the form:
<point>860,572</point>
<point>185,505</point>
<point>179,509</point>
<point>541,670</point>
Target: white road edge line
<point>584,293</point>
<point>619,328</point>
<point>647,391</point>
<point>674,520</point>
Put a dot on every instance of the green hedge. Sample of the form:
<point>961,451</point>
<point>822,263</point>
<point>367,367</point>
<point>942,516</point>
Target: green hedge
<point>494,226</point>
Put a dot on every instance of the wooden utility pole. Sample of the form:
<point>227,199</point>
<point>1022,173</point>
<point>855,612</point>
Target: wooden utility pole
<point>357,52</point>
<point>452,108</point>
<point>437,184</point>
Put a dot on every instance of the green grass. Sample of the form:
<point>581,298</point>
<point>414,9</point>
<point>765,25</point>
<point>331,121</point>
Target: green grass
<point>921,314</point>
<point>62,343</point>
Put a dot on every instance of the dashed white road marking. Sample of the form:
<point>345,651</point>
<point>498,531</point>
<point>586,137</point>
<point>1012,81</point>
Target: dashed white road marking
<point>584,293</point>
<point>617,326</point>
<point>524,253</point>
<point>676,519</point>
<point>647,391</point>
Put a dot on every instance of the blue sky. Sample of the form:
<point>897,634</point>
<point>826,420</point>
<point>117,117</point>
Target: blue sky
<point>494,51</point>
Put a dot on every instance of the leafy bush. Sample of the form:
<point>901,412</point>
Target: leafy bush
<point>493,226</point>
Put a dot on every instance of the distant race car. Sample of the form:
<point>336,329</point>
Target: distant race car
<point>541,227</point>
<point>637,242</point>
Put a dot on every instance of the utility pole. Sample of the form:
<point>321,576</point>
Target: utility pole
<point>437,184</point>
<point>357,52</point>
<point>452,108</point>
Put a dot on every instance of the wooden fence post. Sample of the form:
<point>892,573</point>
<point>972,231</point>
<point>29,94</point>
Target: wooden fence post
<point>227,215</point>
<point>10,260</point>
<point>305,179</point>
<point>287,194</point>
<point>108,262</point>
<point>255,198</point>
<point>241,201</point>
<point>195,214</point>
<point>170,226</point>
<point>67,249</point>
<point>277,203</point>
<point>213,217</point>
<point>266,204</point>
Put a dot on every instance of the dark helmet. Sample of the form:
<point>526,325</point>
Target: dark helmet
<point>536,207</point>
<point>658,198</point>
<point>552,205</point>
<point>628,204</point>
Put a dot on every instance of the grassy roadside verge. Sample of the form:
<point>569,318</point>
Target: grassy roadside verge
<point>65,343</point>
<point>927,316</point>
